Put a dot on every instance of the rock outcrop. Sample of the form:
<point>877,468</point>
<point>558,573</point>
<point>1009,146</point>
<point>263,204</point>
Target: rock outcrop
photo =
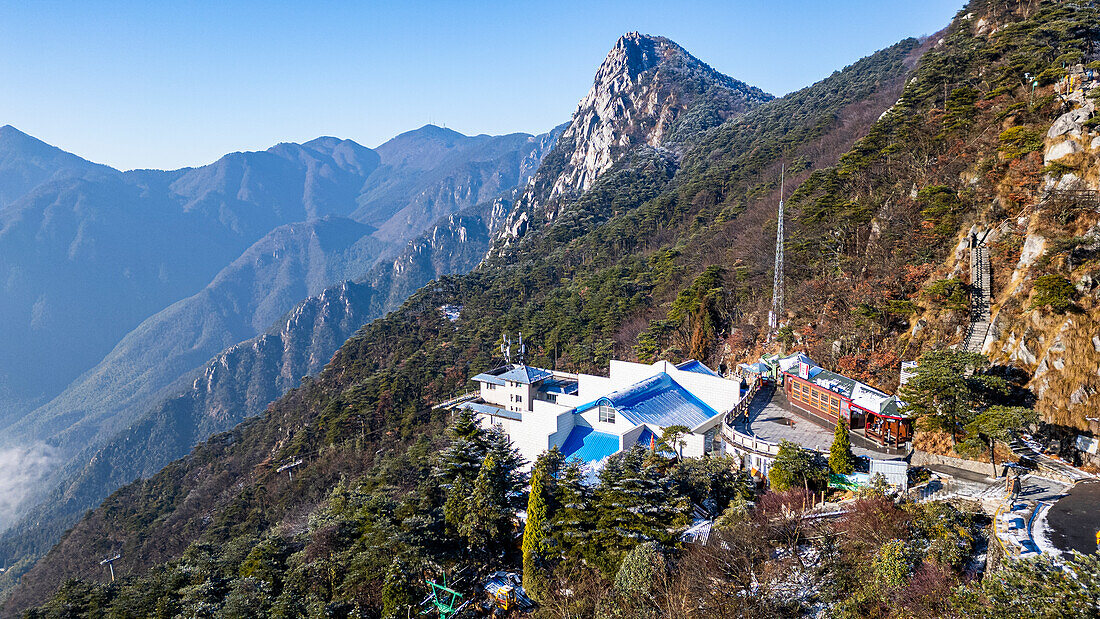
<point>648,93</point>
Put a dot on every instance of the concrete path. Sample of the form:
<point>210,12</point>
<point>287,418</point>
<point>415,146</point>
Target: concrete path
<point>1047,465</point>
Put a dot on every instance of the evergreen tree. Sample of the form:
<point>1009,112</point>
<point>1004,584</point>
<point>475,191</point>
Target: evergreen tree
<point>398,595</point>
<point>1042,587</point>
<point>794,467</point>
<point>575,519</point>
<point>508,460</point>
<point>635,503</point>
<point>949,389</point>
<point>489,517</point>
<point>841,459</point>
<point>456,506</point>
<point>997,423</point>
<point>634,592</point>
<point>463,457</point>
<point>536,533</point>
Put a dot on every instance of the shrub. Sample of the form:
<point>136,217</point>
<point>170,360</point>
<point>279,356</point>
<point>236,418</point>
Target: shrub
<point>1019,141</point>
<point>948,294</point>
<point>1054,291</point>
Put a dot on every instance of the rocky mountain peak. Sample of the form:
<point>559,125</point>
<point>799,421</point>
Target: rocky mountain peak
<point>642,88</point>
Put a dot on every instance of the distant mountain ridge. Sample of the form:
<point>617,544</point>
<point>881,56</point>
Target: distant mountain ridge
<point>27,162</point>
<point>124,282</point>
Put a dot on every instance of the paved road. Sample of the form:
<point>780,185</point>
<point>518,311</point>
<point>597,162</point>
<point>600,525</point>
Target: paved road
<point>1075,518</point>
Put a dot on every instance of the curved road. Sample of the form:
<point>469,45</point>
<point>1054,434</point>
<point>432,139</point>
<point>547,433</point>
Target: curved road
<point>1075,518</point>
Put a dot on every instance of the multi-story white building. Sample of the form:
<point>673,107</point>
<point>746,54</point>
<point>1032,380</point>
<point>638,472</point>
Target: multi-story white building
<point>592,417</point>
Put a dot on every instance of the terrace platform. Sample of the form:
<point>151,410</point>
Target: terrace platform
<point>770,417</point>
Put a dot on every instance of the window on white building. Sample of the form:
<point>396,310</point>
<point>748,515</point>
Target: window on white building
<point>607,414</point>
<point>519,398</point>
<point>711,444</point>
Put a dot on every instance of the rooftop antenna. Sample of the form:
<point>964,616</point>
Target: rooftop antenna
<point>110,562</point>
<point>506,348</point>
<point>777,285</point>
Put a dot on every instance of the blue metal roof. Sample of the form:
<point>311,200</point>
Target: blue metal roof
<point>526,374</point>
<point>519,373</point>
<point>489,409</point>
<point>647,438</point>
<point>557,385</point>
<point>486,377</point>
<point>659,401</point>
<point>692,365</point>
<point>588,445</point>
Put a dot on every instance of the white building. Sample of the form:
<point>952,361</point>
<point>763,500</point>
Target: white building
<point>592,417</point>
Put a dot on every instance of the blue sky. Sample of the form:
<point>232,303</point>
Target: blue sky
<point>166,85</point>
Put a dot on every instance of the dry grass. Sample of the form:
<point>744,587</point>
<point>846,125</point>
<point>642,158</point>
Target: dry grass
<point>939,444</point>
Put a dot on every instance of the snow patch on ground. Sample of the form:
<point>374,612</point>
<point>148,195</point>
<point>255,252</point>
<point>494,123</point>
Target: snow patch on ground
<point>1040,532</point>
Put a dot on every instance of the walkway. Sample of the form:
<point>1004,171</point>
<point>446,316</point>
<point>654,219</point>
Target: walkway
<point>1048,466</point>
<point>980,296</point>
<point>1074,520</point>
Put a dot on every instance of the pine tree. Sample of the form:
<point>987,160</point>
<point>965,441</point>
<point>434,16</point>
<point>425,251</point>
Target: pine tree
<point>635,503</point>
<point>794,467</point>
<point>510,463</point>
<point>456,506</point>
<point>398,596</point>
<point>536,533</point>
<point>489,516</point>
<point>841,458</point>
<point>463,458</point>
<point>574,521</point>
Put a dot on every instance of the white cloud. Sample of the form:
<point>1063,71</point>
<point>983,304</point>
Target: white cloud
<point>21,468</point>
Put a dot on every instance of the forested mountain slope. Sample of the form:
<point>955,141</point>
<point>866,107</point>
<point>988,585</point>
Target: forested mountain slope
<point>240,382</point>
<point>579,286</point>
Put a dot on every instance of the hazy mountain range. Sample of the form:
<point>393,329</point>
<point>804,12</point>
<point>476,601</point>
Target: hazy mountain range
<point>120,286</point>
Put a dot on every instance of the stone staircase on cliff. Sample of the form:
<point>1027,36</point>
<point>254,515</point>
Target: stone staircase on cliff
<point>981,295</point>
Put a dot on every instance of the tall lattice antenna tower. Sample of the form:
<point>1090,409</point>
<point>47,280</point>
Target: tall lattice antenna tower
<point>777,287</point>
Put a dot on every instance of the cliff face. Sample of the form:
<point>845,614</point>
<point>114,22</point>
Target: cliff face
<point>648,93</point>
<point>1046,315</point>
<point>1022,169</point>
<point>644,86</point>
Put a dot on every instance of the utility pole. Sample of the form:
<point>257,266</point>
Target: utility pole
<point>777,285</point>
<point>110,563</point>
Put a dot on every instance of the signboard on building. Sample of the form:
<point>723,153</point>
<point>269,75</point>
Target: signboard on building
<point>1088,444</point>
<point>804,370</point>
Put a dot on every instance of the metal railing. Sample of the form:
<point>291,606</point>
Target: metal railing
<point>750,443</point>
<point>469,395</point>
<point>742,406</point>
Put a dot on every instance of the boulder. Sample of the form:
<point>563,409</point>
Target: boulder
<point>1060,150</point>
<point>1070,122</point>
<point>1034,246</point>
